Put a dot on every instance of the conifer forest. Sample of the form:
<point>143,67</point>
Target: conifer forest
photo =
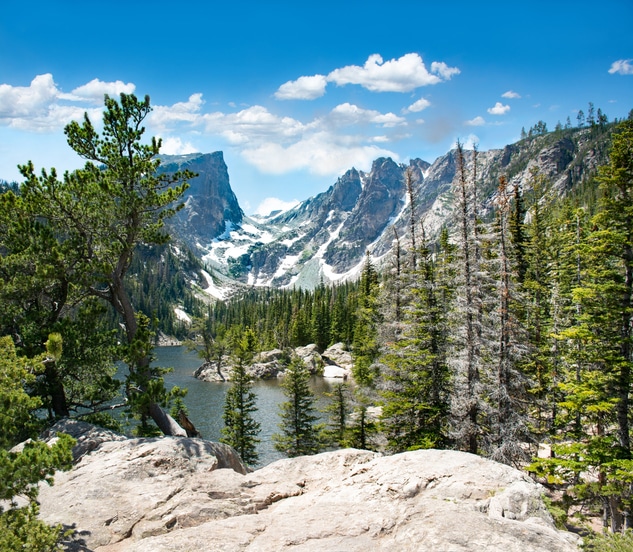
<point>506,333</point>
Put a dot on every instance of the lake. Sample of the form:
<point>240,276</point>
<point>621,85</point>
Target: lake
<point>205,400</point>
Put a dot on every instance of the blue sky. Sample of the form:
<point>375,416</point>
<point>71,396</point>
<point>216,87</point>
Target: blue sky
<point>295,93</point>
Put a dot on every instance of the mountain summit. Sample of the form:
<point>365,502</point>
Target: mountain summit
<point>325,237</point>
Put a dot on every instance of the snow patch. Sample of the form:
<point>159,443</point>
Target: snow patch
<point>182,315</point>
<point>212,289</point>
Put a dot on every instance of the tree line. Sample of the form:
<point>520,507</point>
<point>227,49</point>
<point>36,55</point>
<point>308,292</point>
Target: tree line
<point>510,333</point>
<point>509,330</point>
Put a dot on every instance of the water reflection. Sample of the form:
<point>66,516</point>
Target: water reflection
<point>205,400</point>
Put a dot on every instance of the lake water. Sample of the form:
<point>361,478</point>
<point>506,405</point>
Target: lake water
<point>205,400</point>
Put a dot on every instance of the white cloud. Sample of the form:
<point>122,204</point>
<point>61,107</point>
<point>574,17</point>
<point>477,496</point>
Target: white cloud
<point>189,111</point>
<point>477,121</point>
<point>420,105</point>
<point>28,101</point>
<point>510,94</point>
<point>440,68</point>
<point>622,67</point>
<point>42,106</point>
<point>349,114</point>
<point>251,125</point>
<point>498,109</point>
<point>304,88</point>
<point>175,146</point>
<point>471,141</point>
<point>95,90</point>
<point>320,153</point>
<point>271,204</point>
<point>397,75</point>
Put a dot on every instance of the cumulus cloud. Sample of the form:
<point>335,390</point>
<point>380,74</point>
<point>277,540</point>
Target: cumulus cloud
<point>440,68</point>
<point>95,90</point>
<point>420,105</point>
<point>42,106</point>
<point>477,121</point>
<point>189,112</point>
<point>622,67</point>
<point>304,88</point>
<point>499,109</point>
<point>175,146</point>
<point>397,75</point>
<point>271,204</point>
<point>251,125</point>
<point>349,114</point>
<point>321,153</point>
<point>25,101</point>
<point>511,94</point>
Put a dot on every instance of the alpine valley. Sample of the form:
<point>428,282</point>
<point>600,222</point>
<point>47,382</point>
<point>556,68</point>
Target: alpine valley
<point>325,238</point>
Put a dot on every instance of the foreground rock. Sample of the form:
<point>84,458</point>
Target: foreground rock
<point>334,363</point>
<point>180,494</point>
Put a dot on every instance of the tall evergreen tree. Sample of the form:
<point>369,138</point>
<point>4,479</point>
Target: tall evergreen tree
<point>598,351</point>
<point>240,427</point>
<point>299,429</point>
<point>467,399</point>
<point>365,347</point>
<point>416,386</point>
<point>105,211</point>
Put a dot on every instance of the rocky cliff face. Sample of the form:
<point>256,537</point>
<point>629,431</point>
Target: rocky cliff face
<point>325,238</point>
<point>210,204</point>
<point>178,494</point>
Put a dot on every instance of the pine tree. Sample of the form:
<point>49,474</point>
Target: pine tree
<point>416,378</point>
<point>467,399</point>
<point>598,349</point>
<point>339,410</point>
<point>509,428</point>
<point>240,427</point>
<point>365,347</point>
<point>21,472</point>
<point>101,214</point>
<point>299,430</point>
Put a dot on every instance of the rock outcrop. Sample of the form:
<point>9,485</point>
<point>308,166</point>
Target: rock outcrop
<point>178,494</point>
<point>210,204</point>
<point>334,363</point>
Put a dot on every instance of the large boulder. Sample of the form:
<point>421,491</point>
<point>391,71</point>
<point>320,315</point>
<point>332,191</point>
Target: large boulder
<point>335,362</point>
<point>338,362</point>
<point>178,494</point>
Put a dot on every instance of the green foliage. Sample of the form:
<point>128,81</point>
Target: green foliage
<point>240,428</point>
<point>365,347</point>
<point>284,318</point>
<point>595,345</point>
<point>93,221</point>
<point>16,407</point>
<point>416,379</point>
<point>338,410</point>
<point>159,280</point>
<point>609,542</point>
<point>22,471</point>
<point>299,432</point>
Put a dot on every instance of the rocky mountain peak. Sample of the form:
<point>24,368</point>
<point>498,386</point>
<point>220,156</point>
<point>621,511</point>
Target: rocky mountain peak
<point>210,204</point>
<point>325,237</point>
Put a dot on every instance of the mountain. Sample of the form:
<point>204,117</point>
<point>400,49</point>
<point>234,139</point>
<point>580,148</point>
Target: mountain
<point>325,237</point>
<point>210,204</point>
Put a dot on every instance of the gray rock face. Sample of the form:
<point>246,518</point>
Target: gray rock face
<point>157,495</point>
<point>209,202</point>
<point>325,237</point>
<point>334,362</point>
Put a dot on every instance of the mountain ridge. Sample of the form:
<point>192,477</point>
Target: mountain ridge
<point>325,237</point>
